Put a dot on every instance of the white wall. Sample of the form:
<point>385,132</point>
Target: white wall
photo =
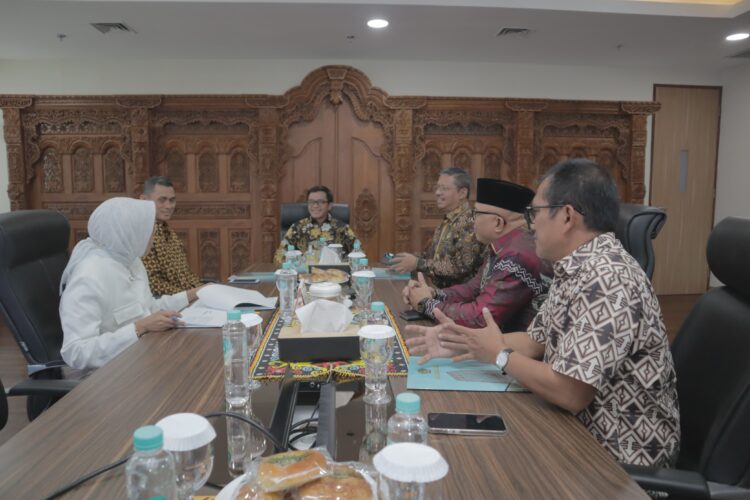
<point>394,77</point>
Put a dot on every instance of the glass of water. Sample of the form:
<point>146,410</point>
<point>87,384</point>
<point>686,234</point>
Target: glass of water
<point>362,282</point>
<point>254,324</point>
<point>376,343</point>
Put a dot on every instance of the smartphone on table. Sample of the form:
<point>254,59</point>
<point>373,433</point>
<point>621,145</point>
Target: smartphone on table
<point>471,424</point>
<point>411,315</point>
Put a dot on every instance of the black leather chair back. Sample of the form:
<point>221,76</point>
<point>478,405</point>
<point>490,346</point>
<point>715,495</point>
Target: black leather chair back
<point>712,360</point>
<point>292,212</point>
<point>3,406</point>
<point>637,226</point>
<point>33,256</point>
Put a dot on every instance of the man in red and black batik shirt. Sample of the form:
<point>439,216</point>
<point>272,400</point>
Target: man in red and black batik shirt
<point>510,282</point>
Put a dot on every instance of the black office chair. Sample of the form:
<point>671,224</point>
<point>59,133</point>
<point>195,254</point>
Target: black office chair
<point>637,226</point>
<point>711,355</point>
<point>33,255</point>
<point>292,212</point>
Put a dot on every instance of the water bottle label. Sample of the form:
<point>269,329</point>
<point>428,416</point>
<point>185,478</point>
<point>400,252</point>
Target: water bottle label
<point>228,351</point>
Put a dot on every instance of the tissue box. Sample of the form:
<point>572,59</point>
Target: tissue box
<point>314,347</point>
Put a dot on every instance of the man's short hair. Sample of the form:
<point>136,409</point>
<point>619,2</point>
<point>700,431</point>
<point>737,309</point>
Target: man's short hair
<point>318,189</point>
<point>150,184</point>
<point>460,176</point>
<point>588,188</point>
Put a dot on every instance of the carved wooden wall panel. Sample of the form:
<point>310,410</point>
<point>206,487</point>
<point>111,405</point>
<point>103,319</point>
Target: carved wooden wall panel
<point>234,158</point>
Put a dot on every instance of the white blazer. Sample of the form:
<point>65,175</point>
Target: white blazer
<point>99,307</point>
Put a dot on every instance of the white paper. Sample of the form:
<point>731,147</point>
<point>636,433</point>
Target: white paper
<point>324,316</point>
<point>197,315</point>
<point>225,298</point>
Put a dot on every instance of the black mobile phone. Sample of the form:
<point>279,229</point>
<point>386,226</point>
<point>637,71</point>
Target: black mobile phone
<point>411,315</point>
<point>465,423</point>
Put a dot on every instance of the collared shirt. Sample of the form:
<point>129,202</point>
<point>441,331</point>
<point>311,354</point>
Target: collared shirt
<point>602,324</point>
<point>511,283</point>
<point>304,231</point>
<point>454,254</point>
<point>166,263</point>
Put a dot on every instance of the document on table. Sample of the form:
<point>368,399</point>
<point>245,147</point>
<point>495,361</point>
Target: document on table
<point>200,316</point>
<point>224,298</point>
<point>442,374</point>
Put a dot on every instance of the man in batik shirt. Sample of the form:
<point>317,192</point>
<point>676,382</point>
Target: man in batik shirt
<point>598,347</point>
<point>319,224</point>
<point>166,263</point>
<point>454,254</point>
<point>511,276</point>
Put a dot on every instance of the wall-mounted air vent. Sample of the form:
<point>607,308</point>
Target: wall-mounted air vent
<point>107,27</point>
<point>513,32</point>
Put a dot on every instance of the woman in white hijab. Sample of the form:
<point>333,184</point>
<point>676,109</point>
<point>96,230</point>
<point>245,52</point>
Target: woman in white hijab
<point>106,302</point>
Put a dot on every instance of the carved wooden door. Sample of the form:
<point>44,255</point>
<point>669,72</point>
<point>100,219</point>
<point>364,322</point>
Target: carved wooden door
<point>340,151</point>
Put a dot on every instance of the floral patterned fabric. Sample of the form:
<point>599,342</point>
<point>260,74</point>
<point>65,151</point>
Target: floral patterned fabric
<point>167,265</point>
<point>306,230</point>
<point>454,255</point>
<point>602,324</point>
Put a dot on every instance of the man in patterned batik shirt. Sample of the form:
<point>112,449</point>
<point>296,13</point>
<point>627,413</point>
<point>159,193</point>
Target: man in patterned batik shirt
<point>166,263</point>
<point>454,254</point>
<point>511,276</point>
<point>319,223</point>
<point>598,346</point>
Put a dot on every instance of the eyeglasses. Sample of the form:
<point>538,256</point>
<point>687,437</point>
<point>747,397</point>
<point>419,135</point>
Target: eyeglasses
<point>475,212</point>
<point>317,203</point>
<point>529,213</point>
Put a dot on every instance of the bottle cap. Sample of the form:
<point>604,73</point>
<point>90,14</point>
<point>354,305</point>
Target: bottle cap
<point>408,402</point>
<point>357,245</point>
<point>234,315</point>
<point>290,248</point>
<point>377,306</point>
<point>147,438</point>
<point>186,431</point>
<point>410,463</point>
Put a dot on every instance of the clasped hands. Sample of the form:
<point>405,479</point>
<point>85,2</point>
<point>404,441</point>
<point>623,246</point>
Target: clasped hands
<point>449,340</point>
<point>416,291</point>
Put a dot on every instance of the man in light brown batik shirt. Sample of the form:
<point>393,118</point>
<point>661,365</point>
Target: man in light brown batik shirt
<point>598,347</point>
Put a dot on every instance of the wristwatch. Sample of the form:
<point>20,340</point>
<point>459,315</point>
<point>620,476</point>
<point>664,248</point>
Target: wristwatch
<point>502,359</point>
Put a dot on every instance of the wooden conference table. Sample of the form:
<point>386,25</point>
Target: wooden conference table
<point>546,453</point>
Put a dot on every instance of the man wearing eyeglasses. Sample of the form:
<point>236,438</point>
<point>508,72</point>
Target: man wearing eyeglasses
<point>319,224</point>
<point>454,254</point>
<point>510,278</point>
<point>598,347</point>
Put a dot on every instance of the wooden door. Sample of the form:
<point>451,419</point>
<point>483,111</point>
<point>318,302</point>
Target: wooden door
<point>683,181</point>
<point>340,151</point>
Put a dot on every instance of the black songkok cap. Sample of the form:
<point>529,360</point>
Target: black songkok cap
<point>503,194</point>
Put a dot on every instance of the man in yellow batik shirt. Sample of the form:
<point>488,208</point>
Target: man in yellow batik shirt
<point>166,263</point>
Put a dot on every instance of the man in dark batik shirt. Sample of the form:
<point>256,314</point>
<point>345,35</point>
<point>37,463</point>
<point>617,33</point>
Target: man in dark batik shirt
<point>511,276</point>
<point>319,224</point>
<point>598,347</point>
<point>454,254</point>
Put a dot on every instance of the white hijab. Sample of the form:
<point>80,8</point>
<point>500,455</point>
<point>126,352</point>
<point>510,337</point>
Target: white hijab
<point>119,228</point>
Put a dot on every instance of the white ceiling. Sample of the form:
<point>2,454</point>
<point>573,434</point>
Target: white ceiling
<point>588,32</point>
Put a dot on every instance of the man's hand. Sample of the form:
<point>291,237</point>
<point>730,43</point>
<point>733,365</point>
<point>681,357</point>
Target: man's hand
<point>428,344</point>
<point>419,291</point>
<point>403,263</point>
<point>482,344</point>
<point>158,322</point>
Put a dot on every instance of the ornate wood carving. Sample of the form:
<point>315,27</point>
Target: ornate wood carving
<point>240,253</point>
<point>365,215</point>
<point>208,245</point>
<point>114,172</point>
<point>226,155</point>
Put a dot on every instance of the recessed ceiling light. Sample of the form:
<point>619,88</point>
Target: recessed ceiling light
<point>377,23</point>
<point>738,36</point>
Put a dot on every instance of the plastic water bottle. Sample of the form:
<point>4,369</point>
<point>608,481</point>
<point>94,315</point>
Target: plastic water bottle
<point>289,257</point>
<point>355,255</point>
<point>236,362</point>
<point>150,471</point>
<point>407,425</point>
<point>286,283</point>
<point>377,314</point>
<point>364,264</point>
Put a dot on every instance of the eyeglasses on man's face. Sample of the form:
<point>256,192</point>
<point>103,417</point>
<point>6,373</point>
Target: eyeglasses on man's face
<point>530,212</point>
<point>475,212</point>
<point>316,203</point>
<point>440,188</point>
